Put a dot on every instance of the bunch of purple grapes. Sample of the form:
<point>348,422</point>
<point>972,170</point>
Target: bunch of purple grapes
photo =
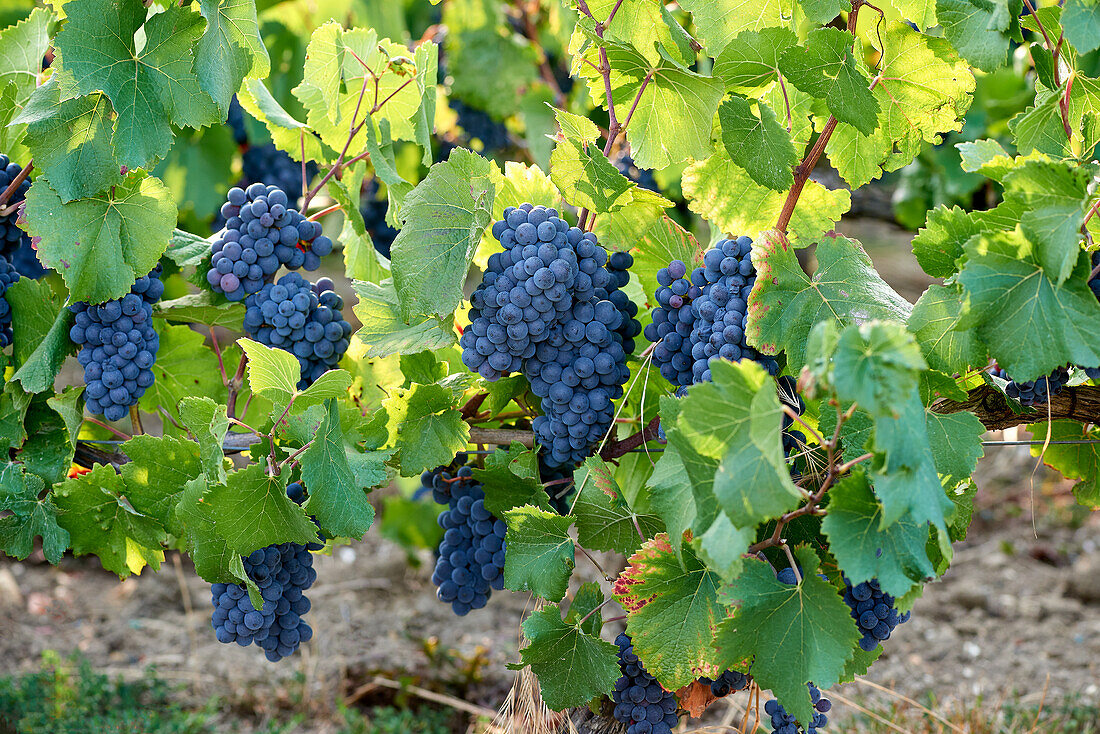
<point>874,611</point>
<point>118,347</point>
<point>703,319</point>
<point>470,560</point>
<point>640,701</point>
<point>283,572</point>
<point>9,276</point>
<point>547,307</point>
<point>261,234</point>
<point>730,681</point>
<point>302,318</point>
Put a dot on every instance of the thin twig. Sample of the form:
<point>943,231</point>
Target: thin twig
<point>327,210</point>
<point>95,421</point>
<point>234,387</point>
<point>595,563</point>
<point>584,619</point>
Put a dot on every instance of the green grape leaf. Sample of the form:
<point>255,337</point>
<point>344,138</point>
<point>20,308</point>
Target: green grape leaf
<point>573,665</point>
<point>511,479</point>
<point>895,555</point>
<point>874,362</point>
<point>502,392</point>
<point>336,499</point>
<point>331,384</point>
<point>604,521</point>
<point>672,611</point>
<point>184,368</point>
<point>150,88</point>
<point>189,251</point>
<point>30,517</point>
<point>1054,197</point>
<point>67,405</point>
<point>786,303</point>
<point>735,420</point>
<point>820,12</point>
<point>981,155</point>
<point>213,559</point>
<point>443,218</point>
<point>361,260</point>
<point>794,634</point>
<point>102,522</point>
<point>385,331</point>
<point>722,546</point>
<point>208,423</point>
<point>14,403</point>
<point>956,441</point>
<point>1077,461</point>
<point>426,426</point>
<point>825,67</point>
<point>540,556</point>
<point>24,45</point>
<point>758,143</point>
<point>939,244</point>
<point>1081,24</point>
<point>34,309</point>
<point>584,175</point>
<point>921,12</point>
<point>751,60</point>
<point>935,322</point>
<point>272,373</point>
<point>197,174</point>
<point>204,307</point>
<point>37,373</point>
<point>1040,127</point>
<point>673,107</point>
<point>11,133</point>
<point>157,474</point>
<point>103,244</point>
<point>981,29</point>
<point>1014,300</point>
<point>719,21</point>
<point>251,510</point>
<point>671,493</point>
<point>230,48</point>
<point>72,145</point>
<point>722,192</point>
<point>923,90</point>
<point>905,470</point>
<point>48,450</point>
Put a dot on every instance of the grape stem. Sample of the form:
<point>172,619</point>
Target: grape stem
<point>502,436</point>
<point>135,421</point>
<point>109,427</point>
<point>803,170</point>
<point>614,449</point>
<point>15,182</point>
<point>595,563</point>
<point>602,604</point>
<point>234,387</point>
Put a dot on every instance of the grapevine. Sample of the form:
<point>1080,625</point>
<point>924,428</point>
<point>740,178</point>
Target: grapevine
<point>759,488</point>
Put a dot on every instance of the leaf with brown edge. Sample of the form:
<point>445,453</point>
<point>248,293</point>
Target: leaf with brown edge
<point>695,698</point>
<point>672,611</point>
<point>600,474</point>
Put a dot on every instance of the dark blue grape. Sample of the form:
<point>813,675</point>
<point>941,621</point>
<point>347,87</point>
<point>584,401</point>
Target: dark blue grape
<point>640,701</point>
<point>268,165</point>
<point>8,277</point>
<point>641,176</point>
<point>118,346</point>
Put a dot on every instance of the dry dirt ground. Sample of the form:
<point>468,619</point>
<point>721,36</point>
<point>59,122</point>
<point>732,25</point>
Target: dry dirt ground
<point>1018,614</point>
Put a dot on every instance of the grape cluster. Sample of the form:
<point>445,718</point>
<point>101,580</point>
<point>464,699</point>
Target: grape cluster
<point>784,723</point>
<point>730,681</point>
<point>283,572</point>
<point>640,701</point>
<point>478,125</point>
<point>373,208</point>
<point>261,233</point>
<point>470,562</point>
<point>301,318</point>
<point>874,611</point>
<point>641,176</point>
<point>118,347</point>
<point>545,308</point>
<point>8,276</point>
<point>704,318</point>
<point>15,244</point>
<point>1035,392</point>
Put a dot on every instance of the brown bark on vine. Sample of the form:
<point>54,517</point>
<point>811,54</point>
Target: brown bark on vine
<point>1080,404</point>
